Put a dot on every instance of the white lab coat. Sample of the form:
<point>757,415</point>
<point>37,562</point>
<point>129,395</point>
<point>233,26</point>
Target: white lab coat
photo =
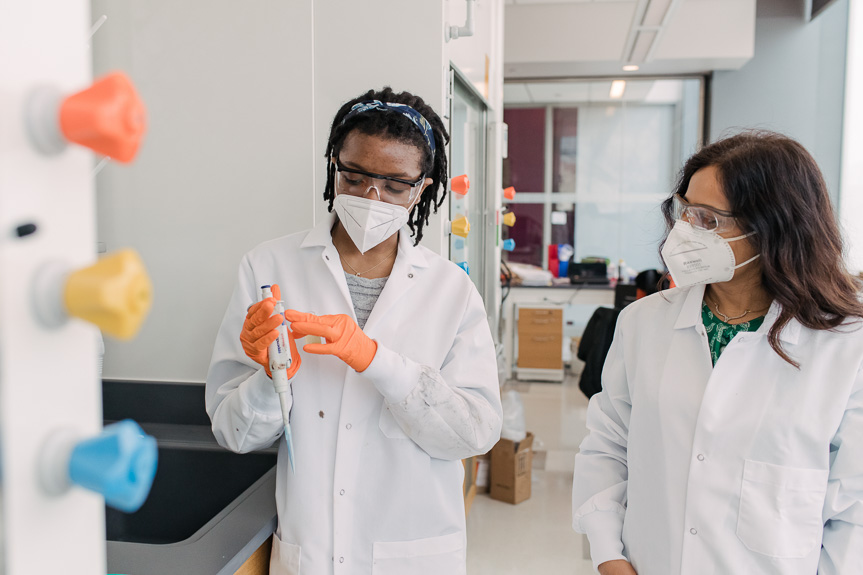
<point>748,467</point>
<point>378,483</point>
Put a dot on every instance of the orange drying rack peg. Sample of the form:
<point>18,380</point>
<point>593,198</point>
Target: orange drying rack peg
<point>460,185</point>
<point>509,193</point>
<point>108,117</point>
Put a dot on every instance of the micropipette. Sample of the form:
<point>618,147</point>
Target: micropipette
<point>280,360</point>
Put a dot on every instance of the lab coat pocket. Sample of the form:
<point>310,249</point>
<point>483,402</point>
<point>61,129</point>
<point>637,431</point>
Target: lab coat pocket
<point>285,558</point>
<point>431,556</point>
<point>781,508</point>
<point>389,426</point>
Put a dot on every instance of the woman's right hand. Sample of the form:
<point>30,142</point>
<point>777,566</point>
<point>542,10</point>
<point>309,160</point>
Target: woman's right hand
<point>260,330</point>
<point>616,567</point>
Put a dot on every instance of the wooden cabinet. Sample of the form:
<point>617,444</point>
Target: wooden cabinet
<point>259,562</point>
<point>577,304</point>
<point>539,343</point>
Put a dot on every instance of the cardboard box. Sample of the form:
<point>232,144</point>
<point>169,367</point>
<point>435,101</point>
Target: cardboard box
<point>511,470</point>
<point>483,473</point>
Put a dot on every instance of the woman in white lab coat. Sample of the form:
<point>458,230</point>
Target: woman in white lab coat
<point>728,437</point>
<point>405,386</point>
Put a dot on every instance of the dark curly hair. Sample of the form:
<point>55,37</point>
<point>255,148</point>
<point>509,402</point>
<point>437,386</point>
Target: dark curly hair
<point>775,189</point>
<point>395,126</point>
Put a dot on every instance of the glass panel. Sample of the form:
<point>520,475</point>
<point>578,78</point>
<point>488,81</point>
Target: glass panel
<point>565,121</point>
<point>563,218</point>
<point>524,169</point>
<point>527,233</point>
<point>625,170</point>
<point>614,158</point>
<point>526,149</point>
<point>468,156</point>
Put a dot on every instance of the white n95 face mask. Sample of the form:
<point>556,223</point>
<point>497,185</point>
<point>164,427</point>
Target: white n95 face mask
<point>369,222</point>
<point>696,256</point>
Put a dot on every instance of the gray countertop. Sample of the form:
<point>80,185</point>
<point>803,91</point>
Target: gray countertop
<point>224,543</point>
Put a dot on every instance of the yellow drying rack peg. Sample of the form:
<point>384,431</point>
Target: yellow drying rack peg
<point>460,227</point>
<point>115,294</point>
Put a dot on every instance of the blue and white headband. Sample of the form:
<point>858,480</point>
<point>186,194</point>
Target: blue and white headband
<point>403,109</point>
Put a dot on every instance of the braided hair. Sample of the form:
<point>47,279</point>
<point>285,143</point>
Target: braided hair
<point>395,126</point>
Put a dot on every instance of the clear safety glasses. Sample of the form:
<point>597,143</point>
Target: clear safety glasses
<point>389,189</point>
<point>702,217</point>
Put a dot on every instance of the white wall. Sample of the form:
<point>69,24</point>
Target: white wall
<point>851,199</point>
<point>469,54</point>
<point>227,162</point>
<point>365,45</point>
<point>794,84</point>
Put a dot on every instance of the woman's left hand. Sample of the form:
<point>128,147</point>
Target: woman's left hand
<point>344,337</point>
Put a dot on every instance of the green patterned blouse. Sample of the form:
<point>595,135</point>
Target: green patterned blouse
<point>720,334</point>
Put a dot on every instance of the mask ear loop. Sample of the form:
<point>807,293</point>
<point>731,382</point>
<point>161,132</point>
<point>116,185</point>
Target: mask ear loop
<point>750,260</point>
<point>744,236</point>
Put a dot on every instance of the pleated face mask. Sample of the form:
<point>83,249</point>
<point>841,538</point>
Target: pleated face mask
<point>369,222</point>
<point>695,256</point>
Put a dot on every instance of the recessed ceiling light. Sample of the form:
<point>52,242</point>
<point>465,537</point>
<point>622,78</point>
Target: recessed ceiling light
<point>630,68</point>
<point>617,89</point>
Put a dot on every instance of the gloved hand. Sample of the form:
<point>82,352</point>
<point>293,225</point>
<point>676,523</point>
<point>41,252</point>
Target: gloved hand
<point>260,330</point>
<point>344,337</point>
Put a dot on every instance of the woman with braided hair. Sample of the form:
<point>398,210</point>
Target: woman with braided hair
<point>403,384</point>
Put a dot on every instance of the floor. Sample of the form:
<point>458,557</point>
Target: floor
<point>536,535</point>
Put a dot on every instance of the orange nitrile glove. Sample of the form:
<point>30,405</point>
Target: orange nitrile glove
<point>260,330</point>
<point>344,337</point>
<point>296,360</point>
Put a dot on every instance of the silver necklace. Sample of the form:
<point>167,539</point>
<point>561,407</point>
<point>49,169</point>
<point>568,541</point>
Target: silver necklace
<point>353,269</point>
<point>726,318</point>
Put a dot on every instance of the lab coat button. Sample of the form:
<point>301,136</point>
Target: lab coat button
<point>348,426</point>
<point>411,276</point>
<point>342,492</point>
<point>700,457</point>
<point>341,559</point>
<point>694,531</point>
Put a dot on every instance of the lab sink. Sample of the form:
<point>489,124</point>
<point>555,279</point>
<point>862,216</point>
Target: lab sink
<point>209,509</point>
<point>191,487</point>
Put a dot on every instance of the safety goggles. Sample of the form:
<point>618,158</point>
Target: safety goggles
<point>391,190</point>
<point>702,217</point>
